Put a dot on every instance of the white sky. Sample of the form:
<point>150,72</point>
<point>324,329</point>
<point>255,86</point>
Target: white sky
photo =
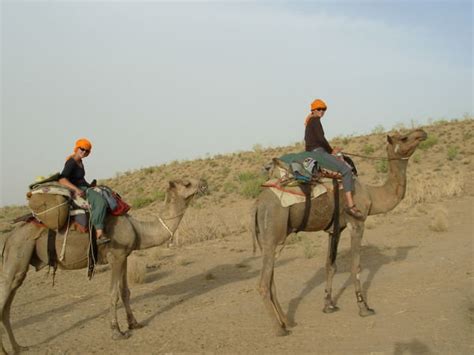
<point>155,81</point>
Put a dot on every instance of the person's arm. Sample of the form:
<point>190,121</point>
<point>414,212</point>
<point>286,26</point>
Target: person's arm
<point>319,134</point>
<point>65,174</point>
<point>65,182</point>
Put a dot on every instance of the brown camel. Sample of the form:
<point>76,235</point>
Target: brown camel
<point>273,224</point>
<point>28,245</point>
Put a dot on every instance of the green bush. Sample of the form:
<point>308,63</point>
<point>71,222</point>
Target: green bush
<point>141,202</point>
<point>246,176</point>
<point>428,143</point>
<point>251,188</point>
<point>381,166</point>
<point>452,152</point>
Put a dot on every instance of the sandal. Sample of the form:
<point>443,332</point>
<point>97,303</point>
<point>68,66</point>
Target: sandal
<point>354,212</point>
<point>103,240</point>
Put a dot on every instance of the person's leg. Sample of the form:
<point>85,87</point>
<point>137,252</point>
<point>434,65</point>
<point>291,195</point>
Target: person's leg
<point>330,162</point>
<point>98,211</point>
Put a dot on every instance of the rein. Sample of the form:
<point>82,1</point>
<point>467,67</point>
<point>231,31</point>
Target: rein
<point>373,158</point>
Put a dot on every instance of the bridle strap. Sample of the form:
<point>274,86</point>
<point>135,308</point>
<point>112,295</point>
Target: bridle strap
<point>373,158</point>
<point>166,227</point>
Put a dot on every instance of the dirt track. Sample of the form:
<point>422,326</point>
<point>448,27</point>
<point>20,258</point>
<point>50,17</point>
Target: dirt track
<point>203,298</point>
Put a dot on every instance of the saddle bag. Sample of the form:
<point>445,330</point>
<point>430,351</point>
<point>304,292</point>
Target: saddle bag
<point>50,205</point>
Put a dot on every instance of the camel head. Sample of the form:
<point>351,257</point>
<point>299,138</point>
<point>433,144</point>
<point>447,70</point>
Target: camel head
<point>185,189</point>
<point>403,145</point>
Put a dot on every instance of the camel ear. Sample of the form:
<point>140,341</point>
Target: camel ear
<point>389,140</point>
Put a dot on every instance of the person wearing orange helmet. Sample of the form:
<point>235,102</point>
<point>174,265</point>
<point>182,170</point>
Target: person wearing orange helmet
<point>73,177</point>
<point>327,156</point>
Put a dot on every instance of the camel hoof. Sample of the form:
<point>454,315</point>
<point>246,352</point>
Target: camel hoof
<point>135,326</point>
<point>291,324</point>
<point>18,349</point>
<point>282,332</point>
<point>366,312</point>
<point>120,335</point>
<point>330,309</point>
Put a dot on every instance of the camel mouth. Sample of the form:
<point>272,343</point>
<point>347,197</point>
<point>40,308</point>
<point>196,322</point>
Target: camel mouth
<point>202,188</point>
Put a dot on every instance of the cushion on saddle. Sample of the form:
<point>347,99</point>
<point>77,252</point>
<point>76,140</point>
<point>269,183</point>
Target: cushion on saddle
<point>290,195</point>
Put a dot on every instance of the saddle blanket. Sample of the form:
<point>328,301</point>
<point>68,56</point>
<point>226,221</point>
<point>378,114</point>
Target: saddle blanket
<point>291,195</point>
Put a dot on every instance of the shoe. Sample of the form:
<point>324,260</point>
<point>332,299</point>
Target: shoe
<point>354,212</point>
<point>103,240</point>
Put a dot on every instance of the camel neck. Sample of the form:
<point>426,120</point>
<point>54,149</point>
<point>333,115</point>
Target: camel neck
<point>155,233</point>
<point>386,197</point>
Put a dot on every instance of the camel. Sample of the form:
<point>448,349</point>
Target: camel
<point>273,223</point>
<point>28,245</point>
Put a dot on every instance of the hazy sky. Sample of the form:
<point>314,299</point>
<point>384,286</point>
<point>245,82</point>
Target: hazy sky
<point>155,81</point>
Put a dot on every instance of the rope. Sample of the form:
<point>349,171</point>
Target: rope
<point>49,209</point>
<point>373,158</point>
<point>166,227</point>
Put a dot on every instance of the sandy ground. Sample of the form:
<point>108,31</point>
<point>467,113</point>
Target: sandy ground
<point>203,298</point>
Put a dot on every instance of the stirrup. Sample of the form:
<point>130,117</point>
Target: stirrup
<point>103,240</point>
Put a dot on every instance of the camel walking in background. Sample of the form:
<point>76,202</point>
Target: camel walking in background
<point>28,245</point>
<point>273,224</point>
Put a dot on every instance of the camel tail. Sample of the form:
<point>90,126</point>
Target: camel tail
<point>254,229</point>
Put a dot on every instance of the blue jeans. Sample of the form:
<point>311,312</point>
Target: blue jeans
<point>330,162</point>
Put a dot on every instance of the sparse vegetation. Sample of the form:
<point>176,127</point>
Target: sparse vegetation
<point>453,152</point>
<point>381,166</point>
<point>368,149</point>
<point>428,143</point>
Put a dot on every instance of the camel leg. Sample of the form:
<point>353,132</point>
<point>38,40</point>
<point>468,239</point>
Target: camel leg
<point>117,265</point>
<point>125,293</point>
<point>15,266</point>
<point>268,292</point>
<point>278,308</point>
<point>356,239</point>
<point>331,268</point>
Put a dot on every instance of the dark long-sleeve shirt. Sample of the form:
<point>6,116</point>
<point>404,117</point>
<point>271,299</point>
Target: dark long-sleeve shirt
<point>74,173</point>
<point>314,136</point>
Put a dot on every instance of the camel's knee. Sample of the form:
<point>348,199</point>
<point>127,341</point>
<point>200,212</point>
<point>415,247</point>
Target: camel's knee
<point>18,279</point>
<point>264,291</point>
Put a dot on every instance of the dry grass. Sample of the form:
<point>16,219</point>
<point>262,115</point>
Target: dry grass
<point>136,269</point>
<point>439,220</point>
<point>234,180</point>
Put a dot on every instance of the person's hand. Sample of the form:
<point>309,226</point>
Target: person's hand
<point>336,150</point>
<point>79,193</point>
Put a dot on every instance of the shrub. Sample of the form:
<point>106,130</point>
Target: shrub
<point>368,149</point>
<point>246,176</point>
<point>251,188</point>
<point>416,158</point>
<point>381,166</point>
<point>141,202</point>
<point>378,129</point>
<point>159,195</point>
<point>428,143</point>
<point>136,270</point>
<point>452,152</point>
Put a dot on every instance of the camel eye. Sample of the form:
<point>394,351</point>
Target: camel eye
<point>404,139</point>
